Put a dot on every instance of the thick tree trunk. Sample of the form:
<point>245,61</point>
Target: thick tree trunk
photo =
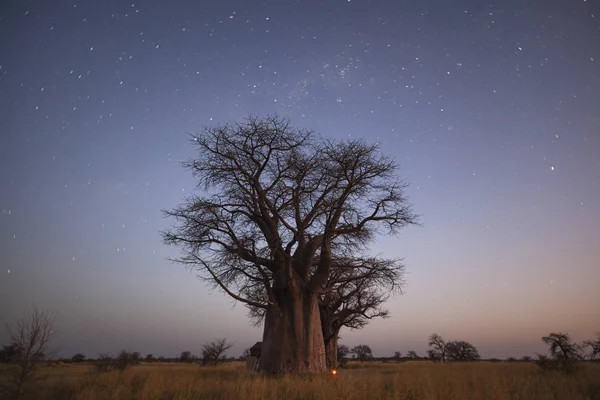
<point>329,337</point>
<point>331,347</point>
<point>293,338</point>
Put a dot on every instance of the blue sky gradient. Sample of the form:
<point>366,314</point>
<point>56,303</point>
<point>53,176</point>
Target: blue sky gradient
<point>491,111</point>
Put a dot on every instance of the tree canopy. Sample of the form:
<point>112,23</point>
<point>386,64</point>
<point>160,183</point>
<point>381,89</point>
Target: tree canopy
<point>276,199</point>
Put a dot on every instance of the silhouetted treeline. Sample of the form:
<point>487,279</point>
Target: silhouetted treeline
<point>564,354</point>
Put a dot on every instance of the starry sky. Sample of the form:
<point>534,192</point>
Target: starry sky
<point>491,109</point>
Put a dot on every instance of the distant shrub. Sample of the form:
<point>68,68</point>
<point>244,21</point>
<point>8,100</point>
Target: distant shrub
<point>125,360</point>
<point>564,354</point>
<point>559,364</point>
<point>214,352</point>
<point>106,363</point>
<point>187,357</point>
<point>342,355</point>
<point>9,353</point>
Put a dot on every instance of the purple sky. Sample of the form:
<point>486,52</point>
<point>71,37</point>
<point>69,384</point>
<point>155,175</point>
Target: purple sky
<point>491,110</point>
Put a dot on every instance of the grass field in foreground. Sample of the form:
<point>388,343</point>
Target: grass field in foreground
<point>408,380</point>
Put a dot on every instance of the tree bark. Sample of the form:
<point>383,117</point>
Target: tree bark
<point>293,338</point>
<point>329,338</point>
<point>331,347</point>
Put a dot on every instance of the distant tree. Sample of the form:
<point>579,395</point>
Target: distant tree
<point>564,354</point>
<point>354,294</point>
<point>342,354</point>
<point>526,359</point>
<point>561,346</point>
<point>594,348</point>
<point>459,350</point>
<point>214,351</point>
<point>136,356</point>
<point>186,357</point>
<point>104,362</point>
<point>397,355</point>
<point>124,360</point>
<point>511,359</point>
<point>32,336</point>
<point>149,358</point>
<point>362,352</point>
<point>343,351</point>
<point>434,355</point>
<point>9,353</point>
<point>412,355</point>
<point>78,358</point>
<point>438,351</point>
<point>161,359</point>
<point>246,352</point>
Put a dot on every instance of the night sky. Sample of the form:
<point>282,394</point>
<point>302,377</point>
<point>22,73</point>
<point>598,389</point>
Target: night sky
<point>492,111</point>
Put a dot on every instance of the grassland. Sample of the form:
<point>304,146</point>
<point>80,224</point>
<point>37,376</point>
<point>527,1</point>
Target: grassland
<point>409,380</point>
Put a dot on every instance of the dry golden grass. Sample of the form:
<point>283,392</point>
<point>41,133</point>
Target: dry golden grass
<point>410,380</point>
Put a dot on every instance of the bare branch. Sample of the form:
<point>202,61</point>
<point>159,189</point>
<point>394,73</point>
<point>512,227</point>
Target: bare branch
<point>214,351</point>
<point>32,336</point>
<point>278,204</point>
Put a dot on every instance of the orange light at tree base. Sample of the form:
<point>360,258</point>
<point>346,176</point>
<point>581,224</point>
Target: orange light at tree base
<point>333,372</point>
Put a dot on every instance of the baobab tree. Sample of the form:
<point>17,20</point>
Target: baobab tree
<point>275,197</point>
<point>352,296</point>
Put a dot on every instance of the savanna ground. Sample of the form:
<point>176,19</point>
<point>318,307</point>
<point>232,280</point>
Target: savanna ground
<point>408,380</point>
